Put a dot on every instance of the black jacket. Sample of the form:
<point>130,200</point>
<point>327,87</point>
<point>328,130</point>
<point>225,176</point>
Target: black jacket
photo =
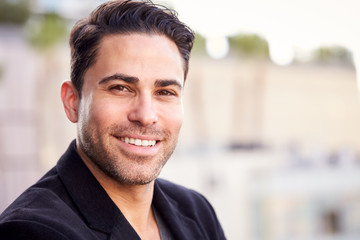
<point>69,203</point>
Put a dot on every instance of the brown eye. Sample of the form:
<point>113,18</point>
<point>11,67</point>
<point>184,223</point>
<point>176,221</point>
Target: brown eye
<point>119,88</point>
<point>166,93</point>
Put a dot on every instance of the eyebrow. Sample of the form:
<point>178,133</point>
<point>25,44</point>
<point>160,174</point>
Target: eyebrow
<point>167,82</point>
<point>134,80</point>
<point>119,76</point>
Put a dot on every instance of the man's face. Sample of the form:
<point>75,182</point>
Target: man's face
<point>130,112</point>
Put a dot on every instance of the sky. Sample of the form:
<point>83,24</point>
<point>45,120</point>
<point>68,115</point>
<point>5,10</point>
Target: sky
<point>287,25</point>
<point>307,22</point>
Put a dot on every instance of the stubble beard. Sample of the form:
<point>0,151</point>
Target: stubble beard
<point>132,169</point>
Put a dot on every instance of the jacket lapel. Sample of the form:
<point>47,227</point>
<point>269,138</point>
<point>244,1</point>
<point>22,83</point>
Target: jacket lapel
<point>101,214</point>
<point>96,207</point>
<point>182,227</point>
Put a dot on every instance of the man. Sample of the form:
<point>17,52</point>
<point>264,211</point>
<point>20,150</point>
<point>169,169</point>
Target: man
<point>129,62</point>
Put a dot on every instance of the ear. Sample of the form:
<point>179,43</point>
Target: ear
<point>71,100</point>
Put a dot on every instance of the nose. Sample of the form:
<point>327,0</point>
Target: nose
<point>143,112</point>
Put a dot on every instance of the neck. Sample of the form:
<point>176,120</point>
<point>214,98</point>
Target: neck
<point>134,201</point>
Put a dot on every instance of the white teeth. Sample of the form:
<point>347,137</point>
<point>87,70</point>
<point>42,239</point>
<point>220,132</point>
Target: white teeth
<point>151,143</point>
<point>138,142</point>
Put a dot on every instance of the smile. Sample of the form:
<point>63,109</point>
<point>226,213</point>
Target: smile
<point>138,142</point>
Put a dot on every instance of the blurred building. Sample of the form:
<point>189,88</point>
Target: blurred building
<point>275,148</point>
<point>18,121</point>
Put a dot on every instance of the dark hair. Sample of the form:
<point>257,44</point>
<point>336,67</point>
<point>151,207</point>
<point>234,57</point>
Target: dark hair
<point>124,17</point>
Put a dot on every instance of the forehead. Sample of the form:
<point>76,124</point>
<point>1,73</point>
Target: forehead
<point>137,53</point>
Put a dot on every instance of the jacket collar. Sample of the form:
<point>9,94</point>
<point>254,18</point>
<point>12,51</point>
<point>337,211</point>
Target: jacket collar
<point>98,210</point>
<point>101,213</point>
<point>181,226</point>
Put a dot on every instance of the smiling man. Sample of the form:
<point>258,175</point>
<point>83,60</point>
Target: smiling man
<point>129,61</point>
<point>130,113</point>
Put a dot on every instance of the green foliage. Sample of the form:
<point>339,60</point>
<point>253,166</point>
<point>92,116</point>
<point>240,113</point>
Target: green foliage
<point>15,12</point>
<point>332,54</point>
<point>199,44</point>
<point>45,32</point>
<point>249,45</point>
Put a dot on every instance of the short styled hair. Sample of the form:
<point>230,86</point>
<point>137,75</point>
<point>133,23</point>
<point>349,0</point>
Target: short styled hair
<point>124,17</point>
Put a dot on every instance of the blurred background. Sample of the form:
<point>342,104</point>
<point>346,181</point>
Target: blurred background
<point>272,110</point>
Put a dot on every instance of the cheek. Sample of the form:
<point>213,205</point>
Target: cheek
<point>178,119</point>
<point>174,118</point>
<point>105,113</point>
<point>98,113</point>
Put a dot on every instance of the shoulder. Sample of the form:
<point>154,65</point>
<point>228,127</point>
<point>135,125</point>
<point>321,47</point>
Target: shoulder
<point>40,213</point>
<point>39,201</point>
<point>22,229</point>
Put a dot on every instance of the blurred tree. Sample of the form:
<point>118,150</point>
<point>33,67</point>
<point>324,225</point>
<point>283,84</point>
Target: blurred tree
<point>199,44</point>
<point>15,12</point>
<point>334,54</point>
<point>249,45</point>
<point>46,31</point>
